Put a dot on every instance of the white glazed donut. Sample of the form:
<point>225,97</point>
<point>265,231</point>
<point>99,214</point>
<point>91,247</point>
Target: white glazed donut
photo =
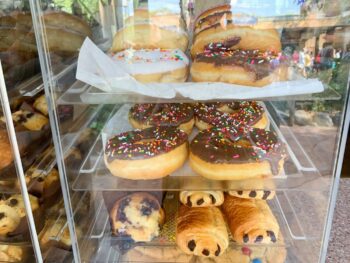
<point>154,65</point>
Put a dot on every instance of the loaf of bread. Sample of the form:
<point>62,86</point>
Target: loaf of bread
<point>250,220</point>
<point>201,231</point>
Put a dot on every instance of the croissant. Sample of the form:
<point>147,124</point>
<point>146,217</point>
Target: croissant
<point>201,198</point>
<point>250,220</point>
<point>201,231</point>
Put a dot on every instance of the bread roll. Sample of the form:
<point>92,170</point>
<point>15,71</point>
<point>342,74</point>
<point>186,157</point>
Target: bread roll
<point>31,120</point>
<point>148,36</point>
<point>137,216</point>
<point>250,220</point>
<point>201,198</point>
<point>201,231</point>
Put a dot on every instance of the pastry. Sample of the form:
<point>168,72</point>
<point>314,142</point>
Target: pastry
<point>216,16</point>
<point>233,37</point>
<point>201,231</point>
<point>250,220</point>
<point>40,104</point>
<point>137,216</point>
<point>243,67</point>
<point>249,113</point>
<point>146,154</point>
<point>148,36</point>
<point>230,153</point>
<point>178,115</point>
<point>9,219</point>
<point>253,194</point>
<point>154,65</point>
<point>201,198</point>
<point>31,120</point>
<point>17,203</point>
<point>6,156</point>
<point>10,253</point>
<point>68,22</point>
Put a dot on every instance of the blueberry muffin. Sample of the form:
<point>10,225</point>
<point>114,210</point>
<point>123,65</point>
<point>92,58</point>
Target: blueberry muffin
<point>137,216</point>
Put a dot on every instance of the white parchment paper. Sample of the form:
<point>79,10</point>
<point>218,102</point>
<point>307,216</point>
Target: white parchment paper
<point>97,69</point>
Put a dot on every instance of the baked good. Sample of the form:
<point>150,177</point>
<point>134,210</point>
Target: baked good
<point>154,65</point>
<point>249,113</point>
<point>233,37</point>
<point>137,216</point>
<point>201,231</point>
<point>40,104</point>
<point>10,253</point>
<point>178,115</point>
<point>230,153</point>
<point>9,219</point>
<point>146,154</point>
<point>6,156</point>
<point>149,36</point>
<point>242,67</point>
<point>250,220</point>
<point>31,120</point>
<point>253,194</point>
<point>16,202</point>
<point>201,198</point>
<point>68,22</point>
<point>216,16</point>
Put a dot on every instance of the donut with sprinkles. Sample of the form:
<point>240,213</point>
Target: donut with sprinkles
<point>236,153</point>
<point>179,115</point>
<point>247,113</point>
<point>146,154</point>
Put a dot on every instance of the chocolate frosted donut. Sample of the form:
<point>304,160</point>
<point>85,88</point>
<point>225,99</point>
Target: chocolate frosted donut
<point>230,153</point>
<point>146,154</point>
<point>226,114</point>
<point>179,115</point>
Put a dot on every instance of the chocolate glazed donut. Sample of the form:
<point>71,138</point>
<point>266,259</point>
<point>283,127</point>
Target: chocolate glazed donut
<point>179,115</point>
<point>146,154</point>
<point>231,153</point>
<point>236,113</point>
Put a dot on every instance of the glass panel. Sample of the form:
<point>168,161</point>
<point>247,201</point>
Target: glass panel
<point>290,58</point>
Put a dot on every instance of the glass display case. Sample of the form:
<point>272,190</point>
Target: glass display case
<point>30,193</point>
<point>209,131</point>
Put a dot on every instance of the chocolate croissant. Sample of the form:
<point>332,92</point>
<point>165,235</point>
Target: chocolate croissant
<point>250,220</point>
<point>201,198</point>
<point>137,216</point>
<point>254,194</point>
<point>201,231</point>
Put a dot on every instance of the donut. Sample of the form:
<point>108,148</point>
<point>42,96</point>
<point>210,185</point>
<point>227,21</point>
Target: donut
<point>178,115</point>
<point>212,17</point>
<point>146,154</point>
<point>237,37</point>
<point>149,36</point>
<point>230,153</point>
<point>154,65</point>
<point>249,113</point>
<point>252,67</point>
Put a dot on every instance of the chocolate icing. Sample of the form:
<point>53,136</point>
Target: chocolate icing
<point>244,112</point>
<point>251,60</point>
<point>232,145</point>
<point>165,114</point>
<point>144,144</point>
